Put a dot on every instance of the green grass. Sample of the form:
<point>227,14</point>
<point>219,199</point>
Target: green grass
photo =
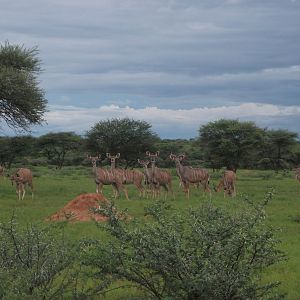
<point>55,188</point>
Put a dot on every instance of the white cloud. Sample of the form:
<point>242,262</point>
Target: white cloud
<point>166,122</point>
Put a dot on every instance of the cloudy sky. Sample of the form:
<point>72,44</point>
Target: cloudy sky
<point>177,64</point>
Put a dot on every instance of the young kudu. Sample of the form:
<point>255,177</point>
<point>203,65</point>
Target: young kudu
<point>158,177</point>
<point>22,177</point>
<point>189,175</point>
<point>107,177</point>
<point>227,183</point>
<point>130,176</point>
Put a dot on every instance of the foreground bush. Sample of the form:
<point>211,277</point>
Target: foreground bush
<point>203,253</point>
<point>34,262</point>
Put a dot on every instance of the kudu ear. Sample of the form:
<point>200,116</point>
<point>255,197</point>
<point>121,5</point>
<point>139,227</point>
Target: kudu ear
<point>147,153</point>
<point>118,155</point>
<point>157,153</point>
<point>107,155</point>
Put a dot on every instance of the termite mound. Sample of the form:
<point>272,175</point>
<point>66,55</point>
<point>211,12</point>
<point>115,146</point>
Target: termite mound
<point>80,209</point>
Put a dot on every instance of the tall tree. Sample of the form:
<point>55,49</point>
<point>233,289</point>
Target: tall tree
<point>230,143</point>
<point>12,148</point>
<point>55,146</point>
<point>278,149</point>
<point>129,137</point>
<point>22,101</point>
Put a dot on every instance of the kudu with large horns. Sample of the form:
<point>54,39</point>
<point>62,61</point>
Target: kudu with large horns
<point>189,175</point>
<point>134,177</point>
<point>107,177</point>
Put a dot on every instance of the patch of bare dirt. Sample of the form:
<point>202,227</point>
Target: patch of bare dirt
<point>80,209</point>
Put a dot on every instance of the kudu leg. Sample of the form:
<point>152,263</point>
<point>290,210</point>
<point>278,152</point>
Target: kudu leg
<point>125,191</point>
<point>186,189</point>
<point>24,191</point>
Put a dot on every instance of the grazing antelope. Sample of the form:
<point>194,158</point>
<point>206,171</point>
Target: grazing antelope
<point>130,176</point>
<point>227,182</point>
<point>107,177</point>
<point>22,177</point>
<point>158,177</point>
<point>189,175</point>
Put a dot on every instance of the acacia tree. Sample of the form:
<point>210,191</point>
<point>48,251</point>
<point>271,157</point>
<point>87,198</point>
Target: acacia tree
<point>230,143</point>
<point>55,146</point>
<point>201,253</point>
<point>129,137</point>
<point>12,148</point>
<point>22,101</point>
<point>278,149</point>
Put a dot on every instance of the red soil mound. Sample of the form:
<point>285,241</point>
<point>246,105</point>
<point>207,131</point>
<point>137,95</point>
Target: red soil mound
<point>79,209</point>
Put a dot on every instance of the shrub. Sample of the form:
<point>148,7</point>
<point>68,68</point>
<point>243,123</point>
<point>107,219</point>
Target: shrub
<point>34,262</point>
<point>203,253</point>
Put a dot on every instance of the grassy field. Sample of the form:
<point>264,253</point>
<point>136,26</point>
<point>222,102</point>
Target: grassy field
<point>55,188</point>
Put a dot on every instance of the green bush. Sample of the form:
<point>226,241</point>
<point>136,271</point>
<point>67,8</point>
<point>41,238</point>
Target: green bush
<point>35,262</point>
<point>203,253</point>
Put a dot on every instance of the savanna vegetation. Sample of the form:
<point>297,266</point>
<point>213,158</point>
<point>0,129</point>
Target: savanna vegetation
<point>204,247</point>
<point>182,247</point>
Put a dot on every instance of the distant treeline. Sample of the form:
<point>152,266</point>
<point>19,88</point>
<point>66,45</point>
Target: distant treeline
<point>224,143</point>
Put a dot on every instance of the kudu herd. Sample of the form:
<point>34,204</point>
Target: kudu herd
<point>149,181</point>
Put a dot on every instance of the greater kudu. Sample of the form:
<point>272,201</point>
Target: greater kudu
<point>227,183</point>
<point>134,177</point>
<point>158,177</point>
<point>22,177</point>
<point>107,177</point>
<point>189,175</point>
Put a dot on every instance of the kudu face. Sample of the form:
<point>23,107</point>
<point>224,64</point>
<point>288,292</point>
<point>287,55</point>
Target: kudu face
<point>112,159</point>
<point>178,159</point>
<point>94,159</point>
<point>144,163</point>
<point>152,156</point>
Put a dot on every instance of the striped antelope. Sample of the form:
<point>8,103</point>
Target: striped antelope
<point>107,177</point>
<point>2,170</point>
<point>227,182</point>
<point>147,175</point>
<point>158,177</point>
<point>297,173</point>
<point>22,177</point>
<point>130,176</point>
<point>189,175</point>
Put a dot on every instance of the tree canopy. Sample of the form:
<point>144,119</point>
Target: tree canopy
<point>229,142</point>
<point>277,151</point>
<point>55,146</point>
<point>22,101</point>
<point>129,137</point>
